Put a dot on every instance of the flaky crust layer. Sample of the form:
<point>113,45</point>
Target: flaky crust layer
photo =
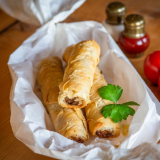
<point>68,122</point>
<point>98,125</point>
<point>81,60</point>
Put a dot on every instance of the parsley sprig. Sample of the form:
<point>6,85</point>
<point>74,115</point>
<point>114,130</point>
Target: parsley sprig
<point>117,112</point>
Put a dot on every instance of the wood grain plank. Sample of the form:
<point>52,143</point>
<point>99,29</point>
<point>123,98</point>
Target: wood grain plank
<point>5,20</point>
<point>12,38</point>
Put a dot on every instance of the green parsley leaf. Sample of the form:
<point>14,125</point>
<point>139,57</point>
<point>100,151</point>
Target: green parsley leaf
<point>108,107</point>
<point>117,112</point>
<point>131,103</point>
<point>125,111</point>
<point>107,110</point>
<point>110,92</point>
<point>115,115</point>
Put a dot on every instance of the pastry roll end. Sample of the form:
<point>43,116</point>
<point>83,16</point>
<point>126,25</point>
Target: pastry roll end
<point>68,122</point>
<point>104,128</point>
<point>70,100</point>
<point>81,60</point>
<point>98,125</point>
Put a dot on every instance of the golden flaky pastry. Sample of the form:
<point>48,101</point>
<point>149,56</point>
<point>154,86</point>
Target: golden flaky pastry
<point>68,122</point>
<point>98,125</point>
<point>81,60</point>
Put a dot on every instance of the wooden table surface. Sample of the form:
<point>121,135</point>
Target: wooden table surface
<point>14,32</point>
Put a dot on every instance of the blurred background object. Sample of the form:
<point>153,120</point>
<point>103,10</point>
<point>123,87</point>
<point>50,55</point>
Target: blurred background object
<point>38,12</point>
<point>6,20</point>
<point>115,14</point>
<point>134,40</point>
<point>152,67</point>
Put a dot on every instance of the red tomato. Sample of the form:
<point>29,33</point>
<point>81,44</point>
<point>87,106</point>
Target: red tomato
<point>152,67</point>
<point>159,83</point>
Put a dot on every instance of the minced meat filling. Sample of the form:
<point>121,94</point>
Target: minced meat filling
<point>71,101</point>
<point>77,139</point>
<point>104,134</point>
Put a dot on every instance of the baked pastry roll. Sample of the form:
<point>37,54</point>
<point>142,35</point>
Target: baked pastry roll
<point>98,125</point>
<point>68,122</point>
<point>81,60</point>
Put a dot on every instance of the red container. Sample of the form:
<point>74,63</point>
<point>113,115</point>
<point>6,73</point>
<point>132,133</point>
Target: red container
<point>134,46</point>
<point>134,40</point>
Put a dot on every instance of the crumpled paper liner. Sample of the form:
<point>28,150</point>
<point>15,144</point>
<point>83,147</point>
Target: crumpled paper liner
<point>32,125</point>
<point>38,12</point>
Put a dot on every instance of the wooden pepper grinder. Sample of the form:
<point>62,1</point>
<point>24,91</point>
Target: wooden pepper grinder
<point>115,18</point>
<point>134,40</point>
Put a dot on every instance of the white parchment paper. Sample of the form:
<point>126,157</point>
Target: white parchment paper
<point>32,125</point>
<point>38,12</point>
